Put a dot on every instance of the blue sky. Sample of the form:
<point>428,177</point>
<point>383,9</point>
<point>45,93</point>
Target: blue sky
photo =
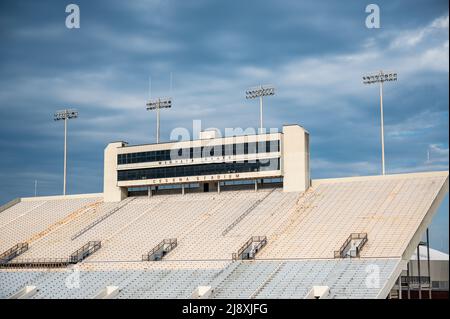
<point>313,52</point>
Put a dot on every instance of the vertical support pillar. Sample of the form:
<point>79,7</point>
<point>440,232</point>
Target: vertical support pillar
<point>112,192</point>
<point>408,280</point>
<point>400,286</point>
<point>418,272</point>
<point>261,114</point>
<point>295,159</point>
<point>182,189</point>
<point>256,185</point>
<point>218,187</point>
<point>383,169</point>
<point>428,265</point>
<point>149,191</point>
<point>65,156</point>
<point>157,121</point>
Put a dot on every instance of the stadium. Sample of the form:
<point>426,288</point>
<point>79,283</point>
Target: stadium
<point>223,217</point>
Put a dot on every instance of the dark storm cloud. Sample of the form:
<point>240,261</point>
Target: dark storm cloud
<point>313,52</point>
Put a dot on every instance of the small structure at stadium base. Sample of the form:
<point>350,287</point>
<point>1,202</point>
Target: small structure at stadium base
<point>25,293</point>
<point>202,292</point>
<point>109,292</point>
<point>208,162</point>
<point>318,292</point>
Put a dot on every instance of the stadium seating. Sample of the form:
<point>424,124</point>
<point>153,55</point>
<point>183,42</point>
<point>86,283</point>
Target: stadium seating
<point>303,231</point>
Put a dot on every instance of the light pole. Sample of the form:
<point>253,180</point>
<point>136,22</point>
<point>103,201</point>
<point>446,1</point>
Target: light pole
<point>260,91</point>
<point>381,77</point>
<point>157,104</point>
<point>65,115</point>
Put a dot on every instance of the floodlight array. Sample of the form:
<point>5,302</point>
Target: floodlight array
<point>259,91</point>
<point>379,77</point>
<point>65,114</point>
<point>161,103</point>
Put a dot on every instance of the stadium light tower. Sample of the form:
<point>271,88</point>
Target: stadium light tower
<point>381,77</point>
<point>260,91</point>
<point>65,115</point>
<point>157,104</point>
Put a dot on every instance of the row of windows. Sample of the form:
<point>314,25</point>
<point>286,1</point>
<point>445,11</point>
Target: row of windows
<point>200,152</point>
<point>200,169</point>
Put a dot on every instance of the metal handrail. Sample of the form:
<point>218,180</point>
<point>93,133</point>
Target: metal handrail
<point>37,263</point>
<point>14,248</point>
<point>250,241</point>
<point>414,280</point>
<point>261,240</point>
<point>245,213</point>
<point>352,236</point>
<point>85,251</point>
<point>13,252</point>
<point>80,254</point>
<point>102,218</point>
<point>172,242</point>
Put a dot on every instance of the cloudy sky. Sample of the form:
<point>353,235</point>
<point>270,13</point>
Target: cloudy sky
<point>314,52</point>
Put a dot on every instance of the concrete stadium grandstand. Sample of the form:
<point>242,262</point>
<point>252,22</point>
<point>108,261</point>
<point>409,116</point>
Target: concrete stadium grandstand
<point>232,217</point>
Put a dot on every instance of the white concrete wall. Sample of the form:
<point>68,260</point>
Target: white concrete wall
<point>439,269</point>
<point>112,192</point>
<point>295,158</point>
